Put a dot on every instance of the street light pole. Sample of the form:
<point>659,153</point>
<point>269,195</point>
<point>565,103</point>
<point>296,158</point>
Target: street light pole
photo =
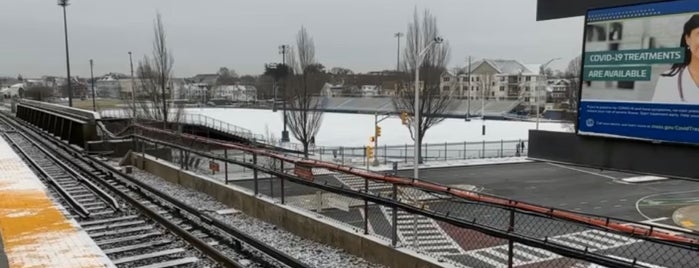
<point>418,62</point>
<point>398,35</point>
<point>542,74</point>
<point>283,49</point>
<point>92,78</point>
<point>65,3</point>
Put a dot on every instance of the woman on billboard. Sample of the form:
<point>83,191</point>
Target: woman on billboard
<point>681,83</point>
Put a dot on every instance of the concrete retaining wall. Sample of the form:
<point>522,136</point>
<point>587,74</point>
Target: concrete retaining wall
<point>290,219</point>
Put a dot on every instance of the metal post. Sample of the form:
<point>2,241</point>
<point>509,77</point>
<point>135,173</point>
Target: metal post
<point>225,165</point>
<point>282,182</point>
<point>417,118</point>
<point>92,78</point>
<point>405,153</point>
<point>376,140</point>
<point>385,154</point>
<point>510,243</point>
<point>415,231</point>
<point>366,207</point>
<point>464,150</point>
<point>483,156</point>
<point>394,217</point>
<point>342,154</point>
<point>64,3</point>
<point>181,159</point>
<point>445,151</point>
<point>254,173</point>
<point>133,90</point>
<point>501,148</point>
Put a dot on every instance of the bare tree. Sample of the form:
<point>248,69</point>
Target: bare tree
<point>154,74</point>
<point>434,103</point>
<point>573,75</point>
<point>305,112</point>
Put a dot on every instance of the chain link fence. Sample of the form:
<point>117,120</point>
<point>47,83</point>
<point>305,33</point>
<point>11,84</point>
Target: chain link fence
<point>463,232</point>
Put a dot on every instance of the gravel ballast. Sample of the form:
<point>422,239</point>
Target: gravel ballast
<point>312,253</point>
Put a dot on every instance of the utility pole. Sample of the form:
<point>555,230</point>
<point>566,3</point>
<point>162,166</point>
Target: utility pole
<point>92,78</point>
<point>65,3</point>
<point>398,35</point>
<point>283,49</point>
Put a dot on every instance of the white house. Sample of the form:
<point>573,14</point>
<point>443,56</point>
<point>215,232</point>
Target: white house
<point>235,92</point>
<point>497,79</point>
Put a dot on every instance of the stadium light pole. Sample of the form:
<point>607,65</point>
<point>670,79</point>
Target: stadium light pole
<point>542,74</point>
<point>398,35</point>
<point>64,3</point>
<point>418,61</point>
<point>92,79</point>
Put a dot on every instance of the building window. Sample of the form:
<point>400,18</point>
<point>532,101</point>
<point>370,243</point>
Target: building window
<point>492,94</point>
<point>445,88</point>
<point>446,78</point>
<point>526,88</point>
<point>527,79</point>
<point>478,78</point>
<point>502,78</point>
<point>526,99</point>
<point>502,88</point>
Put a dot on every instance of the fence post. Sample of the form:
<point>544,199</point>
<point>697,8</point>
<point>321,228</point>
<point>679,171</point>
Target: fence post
<point>394,218</point>
<point>366,206</point>
<point>385,154</point>
<point>282,181</point>
<point>225,165</point>
<point>510,243</point>
<point>181,159</point>
<point>445,151</point>
<point>405,153</point>
<point>254,173</point>
<point>501,147</point>
<point>464,150</point>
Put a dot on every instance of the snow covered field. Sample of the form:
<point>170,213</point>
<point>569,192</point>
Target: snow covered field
<point>338,129</point>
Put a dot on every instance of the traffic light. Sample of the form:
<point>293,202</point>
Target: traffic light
<point>369,152</point>
<point>372,139</point>
<point>378,131</point>
<point>404,118</point>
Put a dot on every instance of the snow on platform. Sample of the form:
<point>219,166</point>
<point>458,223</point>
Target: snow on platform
<point>34,230</point>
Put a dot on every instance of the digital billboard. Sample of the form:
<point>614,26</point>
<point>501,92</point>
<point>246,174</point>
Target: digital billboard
<point>640,73</point>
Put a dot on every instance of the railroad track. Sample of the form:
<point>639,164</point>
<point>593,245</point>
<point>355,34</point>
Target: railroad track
<point>134,224</point>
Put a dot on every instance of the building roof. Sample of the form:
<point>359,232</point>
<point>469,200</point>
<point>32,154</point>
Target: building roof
<point>506,66</point>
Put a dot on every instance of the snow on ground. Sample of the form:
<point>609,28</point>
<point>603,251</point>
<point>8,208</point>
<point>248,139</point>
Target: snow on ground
<point>312,253</point>
<point>340,129</point>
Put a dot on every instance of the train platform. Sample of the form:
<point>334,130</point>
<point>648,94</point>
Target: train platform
<point>35,231</point>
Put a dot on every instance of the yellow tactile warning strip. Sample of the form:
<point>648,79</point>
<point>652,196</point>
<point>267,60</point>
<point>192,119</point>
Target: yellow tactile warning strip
<point>34,230</point>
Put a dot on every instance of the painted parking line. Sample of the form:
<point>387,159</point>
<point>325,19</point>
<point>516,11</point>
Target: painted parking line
<point>585,171</point>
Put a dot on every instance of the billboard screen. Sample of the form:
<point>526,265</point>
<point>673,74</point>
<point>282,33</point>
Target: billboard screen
<point>641,72</point>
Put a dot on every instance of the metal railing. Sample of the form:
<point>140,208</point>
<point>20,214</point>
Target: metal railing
<point>455,225</point>
<point>195,119</point>
<point>387,154</point>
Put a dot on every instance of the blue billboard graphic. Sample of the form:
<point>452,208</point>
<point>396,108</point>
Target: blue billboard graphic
<point>641,72</point>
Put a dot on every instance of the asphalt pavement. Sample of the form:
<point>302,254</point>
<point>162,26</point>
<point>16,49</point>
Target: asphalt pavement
<point>586,190</point>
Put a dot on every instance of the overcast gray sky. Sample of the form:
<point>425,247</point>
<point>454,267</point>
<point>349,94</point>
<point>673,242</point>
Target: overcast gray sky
<point>243,35</point>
